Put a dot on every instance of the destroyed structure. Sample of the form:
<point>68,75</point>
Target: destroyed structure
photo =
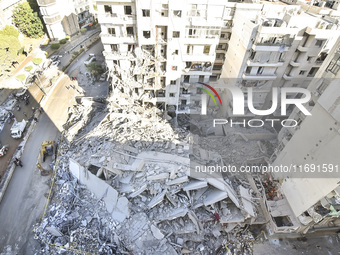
<point>124,178</point>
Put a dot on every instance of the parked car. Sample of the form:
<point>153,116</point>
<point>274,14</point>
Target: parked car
<point>56,63</point>
<point>90,59</point>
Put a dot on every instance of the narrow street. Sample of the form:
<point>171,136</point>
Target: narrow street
<point>24,200</point>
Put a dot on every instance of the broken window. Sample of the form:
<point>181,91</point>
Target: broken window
<point>172,94</point>
<point>309,59</point>
<point>161,93</point>
<point>206,49</point>
<point>183,102</point>
<point>312,71</point>
<point>129,30</point>
<point>108,9</point>
<point>127,9</point>
<point>147,34</point>
<point>302,72</point>
<point>174,68</point>
<point>114,47</point>
<point>213,78</point>
<point>186,78</point>
<point>185,91</point>
<point>111,31</point>
<point>175,34</point>
<point>217,67</point>
<point>334,65</point>
<point>260,70</point>
<point>178,13</point>
<point>319,43</point>
<point>146,13</point>
<point>131,47</point>
<point>173,82</point>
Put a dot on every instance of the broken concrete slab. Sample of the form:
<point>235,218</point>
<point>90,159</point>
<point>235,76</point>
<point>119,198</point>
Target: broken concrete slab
<point>246,201</point>
<point>156,232</point>
<point>193,185</point>
<point>157,199</point>
<point>214,195</point>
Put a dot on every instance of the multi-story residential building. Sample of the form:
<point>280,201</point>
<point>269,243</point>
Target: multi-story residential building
<point>312,191</point>
<point>275,46</point>
<point>187,41</point>
<point>61,21</point>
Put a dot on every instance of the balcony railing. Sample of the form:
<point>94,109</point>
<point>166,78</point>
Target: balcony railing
<point>46,2</point>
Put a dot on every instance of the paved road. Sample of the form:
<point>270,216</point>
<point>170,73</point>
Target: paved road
<point>24,201</point>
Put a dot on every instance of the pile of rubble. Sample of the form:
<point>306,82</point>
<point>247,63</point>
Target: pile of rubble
<point>125,182</point>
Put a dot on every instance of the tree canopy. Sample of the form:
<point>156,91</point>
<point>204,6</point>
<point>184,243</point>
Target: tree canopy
<point>27,21</point>
<point>95,68</point>
<point>9,47</point>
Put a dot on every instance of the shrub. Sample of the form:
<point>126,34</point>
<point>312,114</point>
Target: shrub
<point>21,51</point>
<point>63,41</point>
<point>20,77</point>
<point>37,61</point>
<point>28,68</point>
<point>55,46</point>
<point>75,53</point>
<point>83,30</point>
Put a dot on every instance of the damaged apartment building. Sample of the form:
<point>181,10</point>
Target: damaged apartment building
<point>125,180</point>
<point>60,21</point>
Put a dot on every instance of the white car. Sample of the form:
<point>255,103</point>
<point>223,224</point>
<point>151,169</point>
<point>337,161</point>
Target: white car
<point>56,63</point>
<point>54,58</point>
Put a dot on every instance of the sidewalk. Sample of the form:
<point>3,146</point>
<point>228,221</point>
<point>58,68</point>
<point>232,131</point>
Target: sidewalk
<point>76,41</point>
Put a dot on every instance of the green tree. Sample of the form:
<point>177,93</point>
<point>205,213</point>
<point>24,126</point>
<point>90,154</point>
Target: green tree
<point>26,21</point>
<point>9,47</point>
<point>95,68</point>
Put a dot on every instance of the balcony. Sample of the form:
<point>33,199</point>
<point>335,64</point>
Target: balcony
<point>274,64</point>
<point>248,76</point>
<point>270,47</point>
<point>50,21</point>
<point>46,2</point>
<point>287,77</point>
<point>302,49</point>
<point>294,63</point>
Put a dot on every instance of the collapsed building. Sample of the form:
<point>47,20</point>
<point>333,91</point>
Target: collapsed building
<point>126,179</point>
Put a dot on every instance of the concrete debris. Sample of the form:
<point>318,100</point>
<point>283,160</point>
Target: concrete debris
<point>124,183</point>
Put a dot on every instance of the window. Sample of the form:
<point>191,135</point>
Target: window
<point>131,47</point>
<point>127,10</point>
<point>173,82</point>
<point>198,91</point>
<point>206,49</point>
<point>172,95</point>
<point>108,9</point>
<point>111,31</point>
<point>129,30</point>
<point>201,78</point>
<point>178,13</point>
<point>213,78</point>
<point>260,70</point>
<point>217,67</point>
<point>302,72</point>
<point>334,65</point>
<point>319,43</point>
<point>146,34</point>
<point>223,35</point>
<point>175,52</point>
<point>174,68</point>
<point>114,47</point>
<point>175,34</point>
<point>146,13</point>
<point>188,64</point>
<point>309,59</point>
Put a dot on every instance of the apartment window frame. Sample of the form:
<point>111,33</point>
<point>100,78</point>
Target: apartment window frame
<point>334,65</point>
<point>127,9</point>
<point>172,94</point>
<point>108,9</point>
<point>206,49</point>
<point>130,31</point>
<point>146,12</point>
<point>302,72</point>
<point>114,47</point>
<point>176,34</point>
<point>174,68</point>
<point>177,13</point>
<point>319,43</point>
<point>147,34</point>
<point>173,82</point>
<point>111,31</point>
